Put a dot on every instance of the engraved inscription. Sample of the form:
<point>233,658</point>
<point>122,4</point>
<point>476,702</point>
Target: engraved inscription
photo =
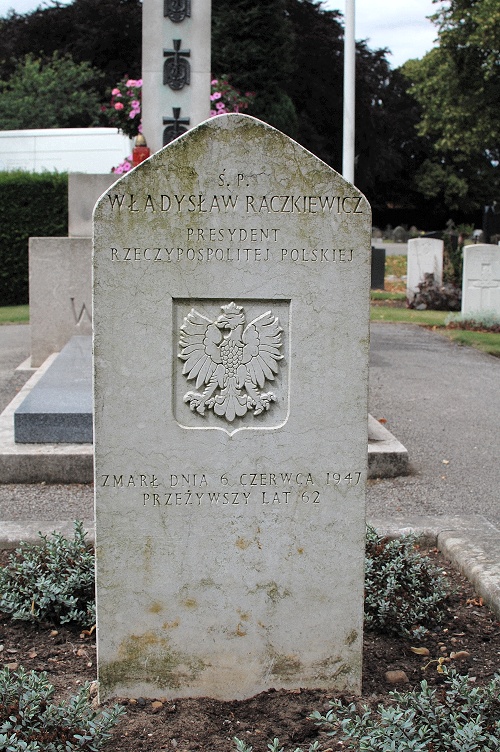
<point>233,367</point>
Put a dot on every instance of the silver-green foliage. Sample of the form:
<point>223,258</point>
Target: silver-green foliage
<point>475,319</point>
<point>51,581</point>
<point>274,746</point>
<point>454,717</point>
<point>405,592</point>
<point>29,722</point>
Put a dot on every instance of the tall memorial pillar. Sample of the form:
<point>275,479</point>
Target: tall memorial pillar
<point>175,68</point>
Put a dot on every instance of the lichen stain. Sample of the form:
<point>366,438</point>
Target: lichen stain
<point>242,544</point>
<point>240,631</point>
<point>155,608</point>
<point>285,666</point>
<point>300,550</point>
<point>170,624</point>
<point>351,637</point>
<point>190,603</point>
<point>149,658</point>
<point>272,590</point>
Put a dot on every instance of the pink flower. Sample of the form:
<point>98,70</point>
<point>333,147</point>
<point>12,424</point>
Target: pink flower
<point>133,113</point>
<point>126,166</point>
<point>214,82</point>
<point>135,104</point>
<point>116,93</point>
<point>131,82</point>
<point>216,95</point>
<point>220,106</point>
<point>213,113</point>
<point>119,106</point>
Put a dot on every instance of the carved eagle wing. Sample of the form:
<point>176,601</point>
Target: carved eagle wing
<point>262,340</point>
<point>199,341</point>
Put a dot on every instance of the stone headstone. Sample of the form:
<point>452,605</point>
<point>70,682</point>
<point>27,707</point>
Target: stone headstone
<point>400,234</point>
<point>231,297</point>
<point>176,61</point>
<point>481,279</point>
<point>377,268</point>
<point>425,256</point>
<point>60,278</point>
<point>83,191</point>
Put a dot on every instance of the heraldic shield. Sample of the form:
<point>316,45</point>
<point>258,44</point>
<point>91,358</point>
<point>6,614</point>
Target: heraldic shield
<point>232,370</point>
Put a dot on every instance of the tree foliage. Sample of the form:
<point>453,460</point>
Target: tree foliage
<point>106,34</point>
<point>289,52</point>
<point>457,86</point>
<point>57,93</point>
<point>253,42</point>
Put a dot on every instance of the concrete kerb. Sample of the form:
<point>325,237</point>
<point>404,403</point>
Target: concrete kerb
<point>469,543</point>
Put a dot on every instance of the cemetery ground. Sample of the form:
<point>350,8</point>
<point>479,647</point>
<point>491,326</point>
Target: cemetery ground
<point>470,632</point>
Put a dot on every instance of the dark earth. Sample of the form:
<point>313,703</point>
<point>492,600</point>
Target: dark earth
<point>470,631</point>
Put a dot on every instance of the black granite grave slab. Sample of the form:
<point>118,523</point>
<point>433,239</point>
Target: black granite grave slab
<point>378,268</point>
<point>58,410</point>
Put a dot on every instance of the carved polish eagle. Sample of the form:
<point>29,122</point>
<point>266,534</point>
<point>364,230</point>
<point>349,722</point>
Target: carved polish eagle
<point>233,366</point>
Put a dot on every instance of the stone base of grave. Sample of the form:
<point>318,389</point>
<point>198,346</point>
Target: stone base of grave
<point>45,459</point>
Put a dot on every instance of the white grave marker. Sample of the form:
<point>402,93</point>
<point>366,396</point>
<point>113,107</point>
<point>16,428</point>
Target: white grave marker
<point>481,279</point>
<point>231,299</point>
<point>425,256</point>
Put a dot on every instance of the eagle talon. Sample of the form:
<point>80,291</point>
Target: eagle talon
<point>196,402</point>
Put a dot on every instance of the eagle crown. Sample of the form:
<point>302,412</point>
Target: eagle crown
<point>231,318</point>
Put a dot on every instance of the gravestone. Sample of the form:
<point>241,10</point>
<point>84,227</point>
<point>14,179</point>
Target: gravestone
<point>377,268</point>
<point>425,256</point>
<point>231,298</point>
<point>60,274</point>
<point>481,279</point>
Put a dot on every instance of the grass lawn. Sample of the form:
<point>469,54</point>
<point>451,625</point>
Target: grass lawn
<point>19,314</point>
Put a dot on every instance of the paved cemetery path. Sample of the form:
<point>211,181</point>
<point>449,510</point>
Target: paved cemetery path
<point>14,349</point>
<point>442,401</point>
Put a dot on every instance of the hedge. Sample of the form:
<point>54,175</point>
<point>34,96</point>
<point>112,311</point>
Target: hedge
<point>31,205</point>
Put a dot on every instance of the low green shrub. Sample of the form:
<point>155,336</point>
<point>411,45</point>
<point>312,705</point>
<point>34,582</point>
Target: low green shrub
<point>274,746</point>
<point>453,716</point>
<point>31,205</point>
<point>475,320</point>
<point>30,723</point>
<point>51,581</point>
<point>405,592</point>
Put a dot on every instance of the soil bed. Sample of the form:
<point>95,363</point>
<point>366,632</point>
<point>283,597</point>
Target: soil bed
<point>69,658</point>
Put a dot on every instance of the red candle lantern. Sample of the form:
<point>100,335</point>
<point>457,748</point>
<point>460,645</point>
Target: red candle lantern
<point>141,151</point>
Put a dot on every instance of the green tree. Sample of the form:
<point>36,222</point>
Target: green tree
<point>52,94</point>
<point>107,34</point>
<point>457,86</point>
<point>253,41</point>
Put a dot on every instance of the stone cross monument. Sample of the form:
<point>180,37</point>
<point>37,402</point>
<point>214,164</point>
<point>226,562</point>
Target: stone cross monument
<point>175,68</point>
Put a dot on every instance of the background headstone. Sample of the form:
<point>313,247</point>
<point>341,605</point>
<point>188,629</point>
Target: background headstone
<point>176,59</point>
<point>378,268</point>
<point>230,473</point>
<point>60,281</point>
<point>425,256</point>
<point>481,279</point>
<point>83,191</point>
